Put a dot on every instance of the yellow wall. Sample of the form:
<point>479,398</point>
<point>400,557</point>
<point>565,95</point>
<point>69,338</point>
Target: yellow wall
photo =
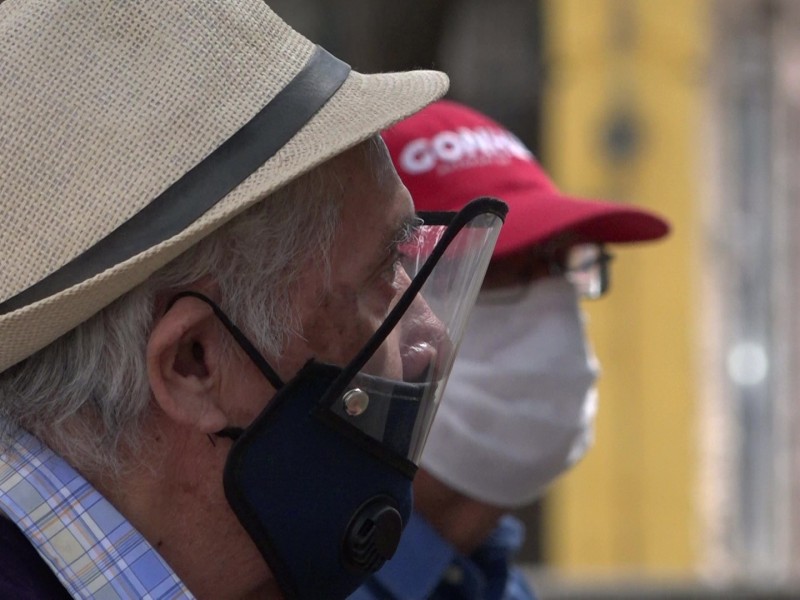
<point>629,504</point>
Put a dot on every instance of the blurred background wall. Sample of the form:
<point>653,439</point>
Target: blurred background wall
<point>691,108</point>
<point>622,115</point>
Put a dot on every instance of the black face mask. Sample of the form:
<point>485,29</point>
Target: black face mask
<point>321,480</point>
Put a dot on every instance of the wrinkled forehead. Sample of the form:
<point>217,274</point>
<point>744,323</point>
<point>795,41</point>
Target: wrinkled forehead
<point>373,209</point>
<point>375,203</point>
<point>370,159</point>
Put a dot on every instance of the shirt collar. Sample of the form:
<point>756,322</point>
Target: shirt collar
<point>88,544</point>
<point>424,560</point>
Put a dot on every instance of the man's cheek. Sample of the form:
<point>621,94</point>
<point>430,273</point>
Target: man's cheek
<point>341,326</point>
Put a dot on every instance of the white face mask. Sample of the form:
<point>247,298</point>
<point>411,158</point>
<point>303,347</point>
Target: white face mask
<point>520,403</point>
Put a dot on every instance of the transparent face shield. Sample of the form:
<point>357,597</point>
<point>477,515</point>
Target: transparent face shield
<point>390,392</point>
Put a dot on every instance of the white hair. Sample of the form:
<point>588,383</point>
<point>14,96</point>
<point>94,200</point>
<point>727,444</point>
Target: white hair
<point>87,394</point>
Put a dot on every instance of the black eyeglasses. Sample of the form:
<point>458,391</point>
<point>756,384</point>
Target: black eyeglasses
<point>585,266</point>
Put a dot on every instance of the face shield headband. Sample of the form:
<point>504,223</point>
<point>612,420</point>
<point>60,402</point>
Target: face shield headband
<point>321,480</point>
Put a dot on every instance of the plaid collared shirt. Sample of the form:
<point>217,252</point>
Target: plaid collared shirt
<point>95,552</point>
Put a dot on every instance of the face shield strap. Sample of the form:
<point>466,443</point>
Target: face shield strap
<point>263,366</point>
<point>244,343</point>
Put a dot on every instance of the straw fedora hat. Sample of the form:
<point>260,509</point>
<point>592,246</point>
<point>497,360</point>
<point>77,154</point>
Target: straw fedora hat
<point>131,130</point>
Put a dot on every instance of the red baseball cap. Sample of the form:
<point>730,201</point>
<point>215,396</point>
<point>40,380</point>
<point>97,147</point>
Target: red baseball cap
<point>448,154</point>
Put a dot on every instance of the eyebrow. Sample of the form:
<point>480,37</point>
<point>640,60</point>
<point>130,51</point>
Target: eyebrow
<point>406,231</point>
<point>402,233</point>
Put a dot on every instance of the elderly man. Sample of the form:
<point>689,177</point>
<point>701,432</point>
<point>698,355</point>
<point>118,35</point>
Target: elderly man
<point>520,405</point>
<point>217,370</point>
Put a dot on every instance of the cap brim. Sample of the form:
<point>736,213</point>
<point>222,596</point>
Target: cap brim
<point>534,219</point>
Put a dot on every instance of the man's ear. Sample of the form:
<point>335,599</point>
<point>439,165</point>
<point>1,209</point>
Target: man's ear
<point>184,354</point>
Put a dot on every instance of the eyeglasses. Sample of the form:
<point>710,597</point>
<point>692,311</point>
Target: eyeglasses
<point>585,265</point>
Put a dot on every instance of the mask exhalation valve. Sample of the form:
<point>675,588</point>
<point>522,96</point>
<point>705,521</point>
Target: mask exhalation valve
<point>373,535</point>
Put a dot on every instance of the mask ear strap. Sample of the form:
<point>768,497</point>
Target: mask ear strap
<point>263,366</point>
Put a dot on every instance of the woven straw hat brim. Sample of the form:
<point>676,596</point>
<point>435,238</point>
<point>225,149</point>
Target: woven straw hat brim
<point>362,107</point>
